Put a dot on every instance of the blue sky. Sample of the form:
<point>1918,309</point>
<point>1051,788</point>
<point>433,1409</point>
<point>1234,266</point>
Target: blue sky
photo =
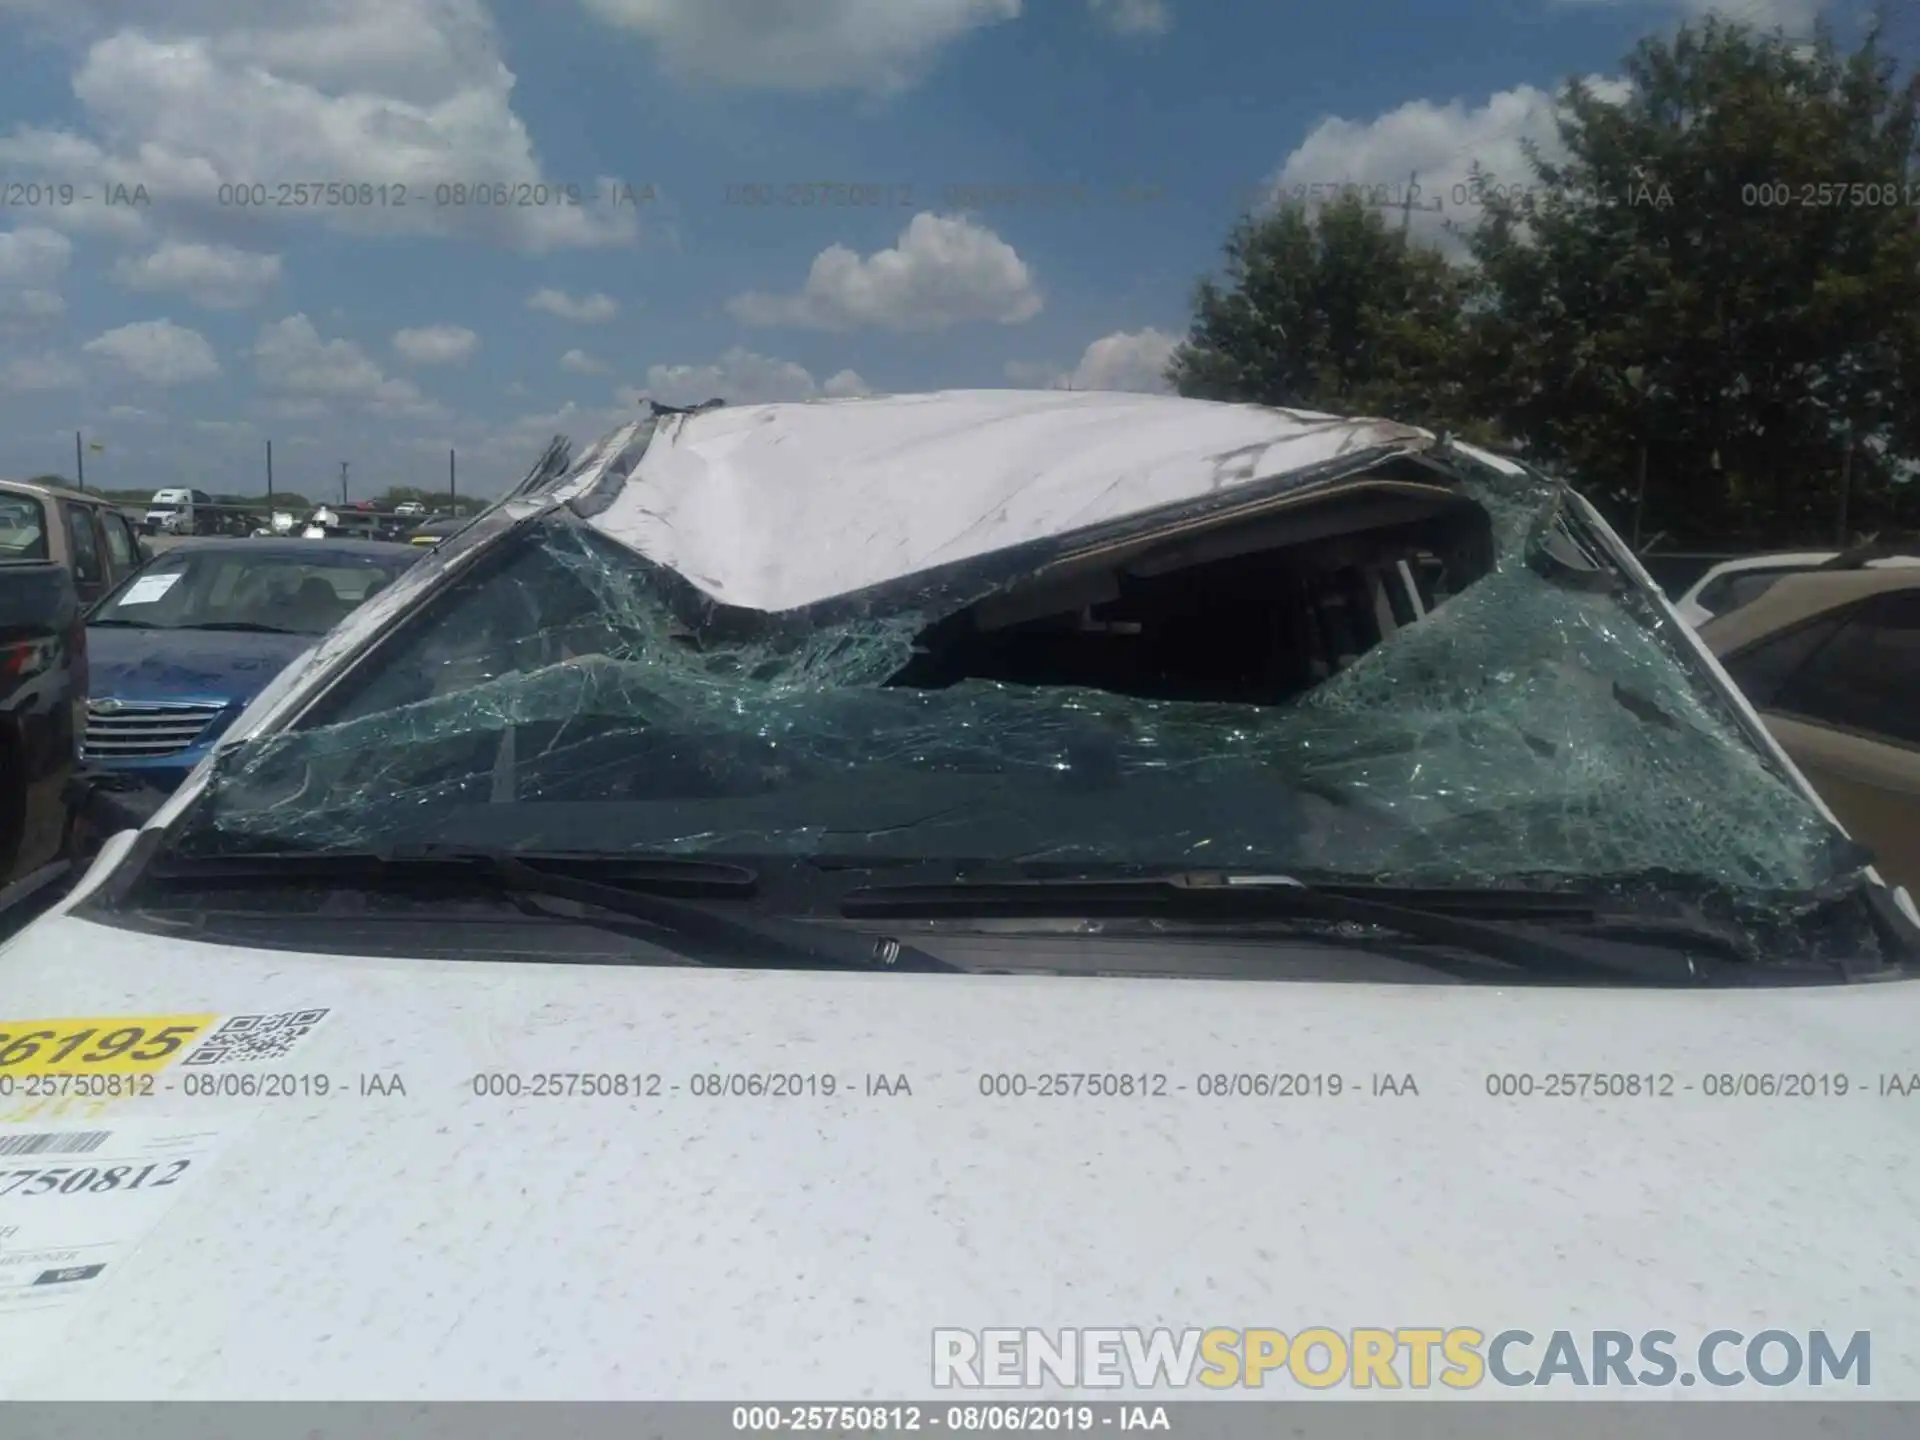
<point>1005,192</point>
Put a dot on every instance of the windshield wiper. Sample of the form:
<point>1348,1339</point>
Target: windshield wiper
<point>126,624</point>
<point>246,627</point>
<point>1516,928</point>
<point>662,891</point>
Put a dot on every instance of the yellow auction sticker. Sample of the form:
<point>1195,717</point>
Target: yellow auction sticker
<point>109,1045</point>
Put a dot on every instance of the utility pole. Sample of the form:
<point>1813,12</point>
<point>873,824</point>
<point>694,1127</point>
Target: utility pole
<point>269,484</point>
<point>79,463</point>
<point>343,482</point>
<point>1406,206</point>
<point>453,490</point>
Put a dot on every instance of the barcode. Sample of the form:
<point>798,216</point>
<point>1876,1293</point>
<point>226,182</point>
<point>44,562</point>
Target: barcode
<point>254,1037</point>
<point>55,1142</point>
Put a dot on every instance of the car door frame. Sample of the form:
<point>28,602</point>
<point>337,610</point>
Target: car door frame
<point>106,517</point>
<point>89,591</point>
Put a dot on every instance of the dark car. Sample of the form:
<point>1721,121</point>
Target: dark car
<point>180,650</point>
<point>43,680</point>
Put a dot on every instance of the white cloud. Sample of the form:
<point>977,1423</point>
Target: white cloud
<point>217,277</point>
<point>1134,360</point>
<point>292,359</point>
<point>224,427</point>
<point>845,385</point>
<point>30,305</point>
<point>402,400</point>
<point>1133,17</point>
<point>593,309</point>
<point>158,352</point>
<point>73,169</point>
<point>1439,144</point>
<point>1126,361</point>
<point>39,372</point>
<point>492,456</point>
<point>581,363</point>
<point>288,408</point>
<point>435,344</point>
<point>872,45</point>
<point>33,256</point>
<point>402,94</point>
<point>944,270</point>
<point>739,377</point>
<point>1795,16</point>
<point>130,413</point>
<point>32,261</point>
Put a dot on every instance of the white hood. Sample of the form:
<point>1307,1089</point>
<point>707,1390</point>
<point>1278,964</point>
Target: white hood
<point>439,1244</point>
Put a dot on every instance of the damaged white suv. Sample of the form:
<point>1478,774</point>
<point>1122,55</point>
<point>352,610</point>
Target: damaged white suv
<point>830,784</point>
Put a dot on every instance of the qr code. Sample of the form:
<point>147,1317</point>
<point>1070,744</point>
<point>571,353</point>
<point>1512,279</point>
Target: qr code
<point>254,1037</point>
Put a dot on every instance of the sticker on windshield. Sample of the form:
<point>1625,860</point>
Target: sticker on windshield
<point>149,588</point>
<point>73,1204</point>
<point>106,1045</point>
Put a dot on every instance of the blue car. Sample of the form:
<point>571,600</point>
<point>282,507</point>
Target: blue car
<point>180,648</point>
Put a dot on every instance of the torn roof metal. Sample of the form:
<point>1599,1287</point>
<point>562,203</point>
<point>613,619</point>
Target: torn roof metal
<point>774,507</point>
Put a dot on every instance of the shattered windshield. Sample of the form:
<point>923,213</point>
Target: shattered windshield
<point>564,693</point>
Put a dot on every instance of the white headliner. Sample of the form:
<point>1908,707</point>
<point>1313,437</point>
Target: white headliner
<point>732,499</point>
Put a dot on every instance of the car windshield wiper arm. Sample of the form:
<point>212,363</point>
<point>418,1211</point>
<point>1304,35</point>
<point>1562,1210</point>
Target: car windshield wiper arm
<point>246,627</point>
<point>1518,936</point>
<point>657,890</point>
<point>126,624</point>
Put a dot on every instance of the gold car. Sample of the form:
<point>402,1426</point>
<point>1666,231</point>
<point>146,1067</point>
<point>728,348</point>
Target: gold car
<point>1831,660</point>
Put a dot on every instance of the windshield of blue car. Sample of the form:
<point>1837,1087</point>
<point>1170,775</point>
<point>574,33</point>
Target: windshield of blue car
<point>239,588</point>
<point>1292,711</point>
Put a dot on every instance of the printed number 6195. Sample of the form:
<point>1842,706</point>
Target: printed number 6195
<point>104,1046</point>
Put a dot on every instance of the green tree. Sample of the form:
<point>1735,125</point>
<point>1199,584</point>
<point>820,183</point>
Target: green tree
<point>1724,270</point>
<point>1336,312</point>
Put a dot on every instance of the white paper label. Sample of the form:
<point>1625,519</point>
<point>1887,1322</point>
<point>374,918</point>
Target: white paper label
<point>74,1202</point>
<point>149,588</point>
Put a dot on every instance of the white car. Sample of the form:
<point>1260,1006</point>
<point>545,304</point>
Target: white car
<point>1734,583</point>
<point>805,885</point>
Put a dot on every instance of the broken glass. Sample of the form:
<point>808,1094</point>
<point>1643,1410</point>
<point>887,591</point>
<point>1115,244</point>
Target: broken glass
<point>566,697</point>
